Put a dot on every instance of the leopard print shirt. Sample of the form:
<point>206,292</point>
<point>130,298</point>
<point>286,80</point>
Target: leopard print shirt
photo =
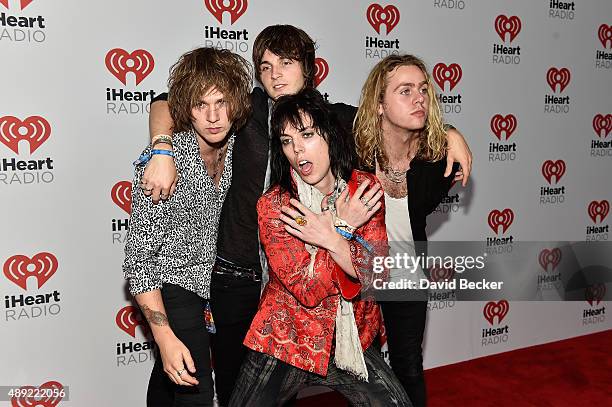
<point>174,241</point>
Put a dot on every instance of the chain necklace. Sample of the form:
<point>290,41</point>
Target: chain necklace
<point>397,176</point>
<point>394,175</point>
<point>217,164</point>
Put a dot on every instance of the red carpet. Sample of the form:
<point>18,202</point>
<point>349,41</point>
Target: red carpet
<point>573,372</point>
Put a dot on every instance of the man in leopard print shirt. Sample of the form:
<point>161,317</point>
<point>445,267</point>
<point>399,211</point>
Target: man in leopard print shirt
<point>171,247</point>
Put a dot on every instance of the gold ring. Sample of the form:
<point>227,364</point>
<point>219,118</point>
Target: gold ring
<point>300,221</point>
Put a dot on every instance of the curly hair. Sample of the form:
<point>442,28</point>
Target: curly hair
<point>368,122</point>
<point>198,71</point>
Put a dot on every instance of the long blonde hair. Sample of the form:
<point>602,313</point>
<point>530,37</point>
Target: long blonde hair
<point>368,122</point>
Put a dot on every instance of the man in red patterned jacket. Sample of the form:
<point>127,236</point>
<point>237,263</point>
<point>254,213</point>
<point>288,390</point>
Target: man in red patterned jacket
<point>312,327</point>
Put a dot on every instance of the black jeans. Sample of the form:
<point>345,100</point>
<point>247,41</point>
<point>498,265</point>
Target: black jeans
<point>405,327</point>
<point>185,311</point>
<point>266,381</point>
<point>234,302</point>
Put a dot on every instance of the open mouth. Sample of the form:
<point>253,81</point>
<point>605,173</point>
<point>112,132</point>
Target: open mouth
<point>305,167</point>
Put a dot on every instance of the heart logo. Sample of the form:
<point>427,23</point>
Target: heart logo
<point>48,394</point>
<point>451,74</point>
<point>500,218</point>
<point>496,309</point>
<point>501,124</point>
<point>595,293</point>
<point>321,71</point>
<point>605,35</point>
<point>34,129</point>
<point>23,3</point>
<point>235,8</point>
<point>598,209</point>
<point>438,274</point>
<point>377,15</point>
<point>119,62</point>
<point>602,125</point>
<point>19,268</point>
<point>507,25</point>
<point>128,318</point>
<point>121,194</point>
<point>553,169</point>
<point>559,77</point>
<point>552,257</point>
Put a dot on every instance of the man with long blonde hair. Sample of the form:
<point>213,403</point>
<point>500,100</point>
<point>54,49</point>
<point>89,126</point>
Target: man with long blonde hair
<point>400,136</point>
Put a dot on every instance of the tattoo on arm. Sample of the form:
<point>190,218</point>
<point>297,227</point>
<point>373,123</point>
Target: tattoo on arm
<point>154,317</point>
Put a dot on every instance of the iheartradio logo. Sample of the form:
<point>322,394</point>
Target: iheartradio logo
<point>235,8</point>
<point>501,124</point>
<point>378,15</point>
<point>22,3</point>
<point>321,71</point>
<point>552,169</point>
<point>119,62</point>
<point>507,25</point>
<point>604,33</point>
<point>19,268</point>
<point>128,318</point>
<point>48,394</point>
<point>496,309</point>
<point>595,293</point>
<point>602,125</point>
<point>451,74</point>
<point>500,218</point>
<point>438,274</point>
<point>598,209</point>
<point>121,194</point>
<point>559,77</point>
<point>34,129</point>
<point>550,257</point>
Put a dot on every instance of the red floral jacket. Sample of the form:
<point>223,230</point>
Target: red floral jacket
<point>296,317</point>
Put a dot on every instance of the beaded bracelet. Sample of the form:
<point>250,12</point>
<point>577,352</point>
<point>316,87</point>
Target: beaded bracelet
<point>143,159</point>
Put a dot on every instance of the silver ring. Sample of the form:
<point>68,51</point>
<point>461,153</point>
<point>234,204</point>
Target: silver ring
<point>163,196</point>
<point>180,372</point>
<point>364,201</point>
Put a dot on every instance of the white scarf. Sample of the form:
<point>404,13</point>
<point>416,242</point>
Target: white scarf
<point>349,354</point>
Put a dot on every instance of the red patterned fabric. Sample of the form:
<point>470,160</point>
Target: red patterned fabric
<point>296,317</point>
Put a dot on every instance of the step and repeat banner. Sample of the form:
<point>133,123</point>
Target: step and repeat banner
<point>528,83</point>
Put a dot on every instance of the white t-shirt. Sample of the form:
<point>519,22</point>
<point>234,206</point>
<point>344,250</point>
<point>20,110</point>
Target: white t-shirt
<point>399,234</point>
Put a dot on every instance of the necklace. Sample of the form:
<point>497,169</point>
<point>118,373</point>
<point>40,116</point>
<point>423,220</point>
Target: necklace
<point>217,164</point>
<point>397,176</point>
<point>394,175</point>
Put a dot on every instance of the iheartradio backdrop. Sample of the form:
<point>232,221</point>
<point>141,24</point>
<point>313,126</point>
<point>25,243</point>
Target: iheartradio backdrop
<point>528,83</point>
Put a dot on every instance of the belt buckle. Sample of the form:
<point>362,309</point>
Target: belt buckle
<point>254,275</point>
